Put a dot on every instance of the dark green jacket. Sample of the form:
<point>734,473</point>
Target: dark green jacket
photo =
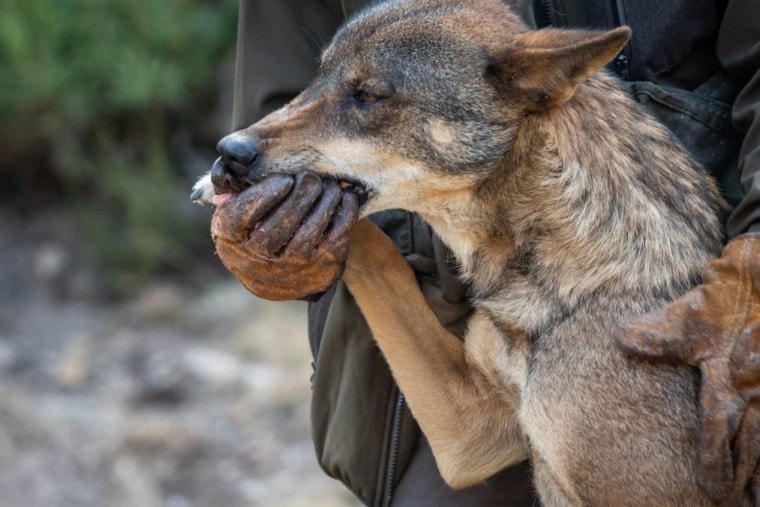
<point>703,82</point>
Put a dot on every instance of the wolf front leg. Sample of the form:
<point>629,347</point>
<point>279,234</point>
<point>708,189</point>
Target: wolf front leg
<point>470,422</point>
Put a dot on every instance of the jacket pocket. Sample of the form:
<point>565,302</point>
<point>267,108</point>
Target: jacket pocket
<point>701,121</point>
<point>363,432</point>
<point>358,428</point>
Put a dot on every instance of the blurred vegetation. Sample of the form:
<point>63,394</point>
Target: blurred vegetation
<point>92,94</point>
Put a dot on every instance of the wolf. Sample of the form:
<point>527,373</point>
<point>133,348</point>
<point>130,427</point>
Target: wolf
<point>569,210</point>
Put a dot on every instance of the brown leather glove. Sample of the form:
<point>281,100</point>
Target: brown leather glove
<point>286,238</point>
<point>716,327</point>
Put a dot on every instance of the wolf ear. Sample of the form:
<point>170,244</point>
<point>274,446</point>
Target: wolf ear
<point>548,65</point>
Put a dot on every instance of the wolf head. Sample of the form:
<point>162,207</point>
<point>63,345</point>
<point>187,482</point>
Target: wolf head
<point>417,99</point>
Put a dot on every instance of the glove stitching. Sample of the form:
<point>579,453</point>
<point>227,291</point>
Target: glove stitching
<point>747,274</point>
<point>745,289</point>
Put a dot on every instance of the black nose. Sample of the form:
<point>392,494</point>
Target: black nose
<point>239,152</point>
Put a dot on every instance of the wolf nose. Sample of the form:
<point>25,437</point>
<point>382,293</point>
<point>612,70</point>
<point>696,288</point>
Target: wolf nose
<point>238,152</point>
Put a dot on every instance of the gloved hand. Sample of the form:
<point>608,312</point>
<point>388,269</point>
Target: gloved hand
<point>716,327</point>
<point>286,238</point>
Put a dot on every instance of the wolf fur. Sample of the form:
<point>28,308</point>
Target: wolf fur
<point>570,212</point>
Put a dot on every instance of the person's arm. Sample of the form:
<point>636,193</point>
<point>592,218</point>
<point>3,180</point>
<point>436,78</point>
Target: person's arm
<point>716,326</point>
<point>738,51</point>
<point>278,49</point>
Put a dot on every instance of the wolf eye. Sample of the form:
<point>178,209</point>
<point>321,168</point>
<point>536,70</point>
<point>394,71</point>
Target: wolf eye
<point>365,97</point>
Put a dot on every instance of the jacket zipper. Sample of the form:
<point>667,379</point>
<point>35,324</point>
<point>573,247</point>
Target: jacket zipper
<point>621,64</point>
<point>390,474</point>
<point>619,19</point>
<point>554,10</point>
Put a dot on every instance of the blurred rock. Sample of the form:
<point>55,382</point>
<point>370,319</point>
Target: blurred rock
<point>213,366</point>
<point>175,500</point>
<point>136,487</point>
<point>7,449</point>
<point>51,269</point>
<point>223,304</point>
<point>83,285</point>
<point>262,378</point>
<point>276,335</point>
<point>8,357</point>
<point>49,262</point>
<point>154,436</point>
<point>159,302</point>
<point>74,366</point>
<point>275,385</point>
<point>158,377</point>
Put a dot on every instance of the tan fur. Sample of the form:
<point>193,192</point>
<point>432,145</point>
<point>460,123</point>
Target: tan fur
<point>432,365</point>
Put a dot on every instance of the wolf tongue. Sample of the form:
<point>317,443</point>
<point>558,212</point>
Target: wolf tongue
<point>221,199</point>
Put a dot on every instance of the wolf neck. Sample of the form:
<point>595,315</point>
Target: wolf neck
<point>596,201</point>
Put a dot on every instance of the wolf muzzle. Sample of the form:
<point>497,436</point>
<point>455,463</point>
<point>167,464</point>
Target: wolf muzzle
<point>234,170</point>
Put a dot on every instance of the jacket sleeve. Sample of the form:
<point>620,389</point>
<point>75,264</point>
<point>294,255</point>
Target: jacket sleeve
<point>738,50</point>
<point>278,47</point>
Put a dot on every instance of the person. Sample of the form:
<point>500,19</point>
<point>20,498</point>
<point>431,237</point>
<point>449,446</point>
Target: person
<point>695,65</point>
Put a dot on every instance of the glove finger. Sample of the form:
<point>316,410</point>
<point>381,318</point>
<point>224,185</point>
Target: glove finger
<point>236,217</point>
<point>344,221</point>
<point>747,452</point>
<point>720,410</point>
<point>745,361</point>
<point>274,232</point>
<point>311,230</point>
<point>661,334</point>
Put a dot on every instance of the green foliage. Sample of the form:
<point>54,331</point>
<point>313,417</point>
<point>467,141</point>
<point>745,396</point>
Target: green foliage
<point>88,58</point>
<point>103,86</point>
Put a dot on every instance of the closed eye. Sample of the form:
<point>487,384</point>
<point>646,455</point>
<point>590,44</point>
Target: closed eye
<point>365,97</point>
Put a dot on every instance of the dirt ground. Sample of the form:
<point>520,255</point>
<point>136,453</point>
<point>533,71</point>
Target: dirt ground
<point>189,394</point>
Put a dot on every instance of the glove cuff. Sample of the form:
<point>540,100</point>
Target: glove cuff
<point>746,235</point>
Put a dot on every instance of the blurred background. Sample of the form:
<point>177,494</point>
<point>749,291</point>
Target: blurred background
<point>133,370</point>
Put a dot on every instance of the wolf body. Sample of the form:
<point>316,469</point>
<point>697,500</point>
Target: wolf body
<point>570,212</point>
